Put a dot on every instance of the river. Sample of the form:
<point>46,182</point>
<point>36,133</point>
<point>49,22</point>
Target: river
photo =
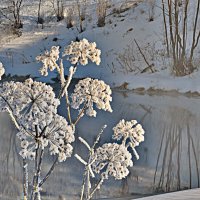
<point>169,156</point>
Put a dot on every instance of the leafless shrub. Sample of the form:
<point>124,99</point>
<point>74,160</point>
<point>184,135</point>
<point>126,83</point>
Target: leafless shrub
<point>69,18</point>
<point>40,19</point>
<point>8,32</point>
<point>175,17</point>
<point>102,6</point>
<point>137,58</point>
<point>81,10</point>
<point>127,60</point>
<point>127,5</point>
<point>12,13</point>
<point>58,7</point>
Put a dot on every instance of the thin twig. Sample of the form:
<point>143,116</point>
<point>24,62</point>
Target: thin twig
<point>38,174</point>
<point>14,118</point>
<point>83,184</point>
<point>49,172</point>
<point>25,179</point>
<point>36,166</point>
<point>63,82</point>
<point>80,114</point>
<point>88,171</point>
<point>88,183</point>
<point>95,188</point>
<point>140,50</point>
<point>98,137</point>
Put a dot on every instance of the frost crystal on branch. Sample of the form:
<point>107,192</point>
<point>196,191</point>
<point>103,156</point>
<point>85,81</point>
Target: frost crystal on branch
<point>82,51</point>
<point>89,91</point>
<point>112,159</point>
<point>129,129</point>
<point>2,70</point>
<point>49,60</point>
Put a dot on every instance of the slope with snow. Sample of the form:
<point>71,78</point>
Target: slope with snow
<point>116,41</point>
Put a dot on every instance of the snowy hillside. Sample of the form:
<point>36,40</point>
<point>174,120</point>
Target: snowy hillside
<point>151,62</point>
<point>130,26</point>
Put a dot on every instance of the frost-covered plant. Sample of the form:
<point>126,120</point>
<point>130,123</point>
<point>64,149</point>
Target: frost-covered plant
<point>129,130</point>
<point>49,60</point>
<point>82,52</point>
<point>33,105</point>
<point>110,159</point>
<point>54,132</point>
<point>91,91</point>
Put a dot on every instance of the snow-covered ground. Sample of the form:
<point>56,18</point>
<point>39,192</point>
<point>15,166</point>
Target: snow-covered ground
<point>116,41</point>
<point>162,116</point>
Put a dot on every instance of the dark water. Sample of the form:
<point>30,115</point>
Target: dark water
<point>169,157</point>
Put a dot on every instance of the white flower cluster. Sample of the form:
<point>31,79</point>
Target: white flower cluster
<point>8,95</point>
<point>35,107</point>
<point>25,152</point>
<point>31,101</point>
<point>129,130</point>
<point>82,51</point>
<point>89,91</point>
<point>36,101</point>
<point>112,159</point>
<point>56,134</point>
<point>49,60</point>
<point>2,70</point>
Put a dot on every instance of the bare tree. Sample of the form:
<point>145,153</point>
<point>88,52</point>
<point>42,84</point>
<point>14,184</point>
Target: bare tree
<point>165,26</point>
<point>40,19</point>
<point>58,7</point>
<point>16,9</point>
<point>12,12</point>
<point>81,9</point>
<point>195,39</point>
<point>69,17</point>
<point>175,17</point>
<point>102,6</point>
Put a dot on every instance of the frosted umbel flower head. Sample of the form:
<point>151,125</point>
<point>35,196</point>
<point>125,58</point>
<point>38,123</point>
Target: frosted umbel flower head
<point>82,51</point>
<point>57,134</point>
<point>92,91</point>
<point>112,159</point>
<point>2,70</point>
<point>129,130</point>
<point>9,93</point>
<point>35,101</point>
<point>28,99</point>
<point>34,106</point>
<point>49,60</point>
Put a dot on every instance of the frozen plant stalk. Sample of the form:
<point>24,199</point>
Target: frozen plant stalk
<point>33,106</point>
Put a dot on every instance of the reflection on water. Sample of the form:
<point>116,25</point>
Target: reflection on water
<point>168,158</point>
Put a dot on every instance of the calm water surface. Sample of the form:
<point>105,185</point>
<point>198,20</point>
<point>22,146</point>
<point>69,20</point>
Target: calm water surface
<point>169,157</point>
